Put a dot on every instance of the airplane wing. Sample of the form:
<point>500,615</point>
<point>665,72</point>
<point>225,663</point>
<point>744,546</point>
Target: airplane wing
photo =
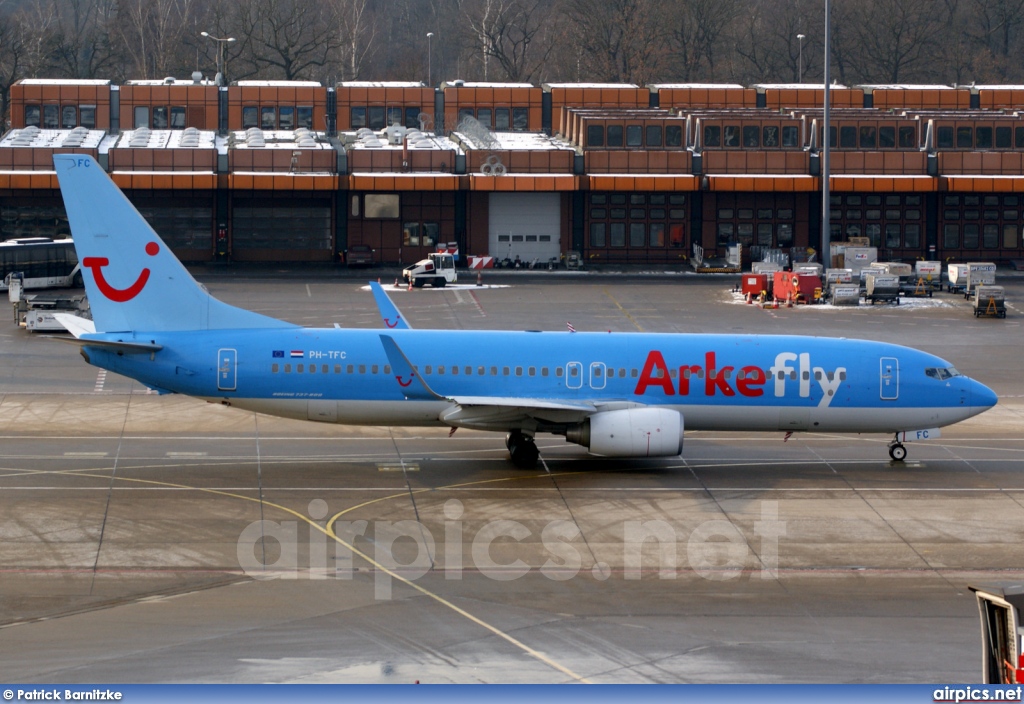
<point>389,312</point>
<point>484,412</point>
<point>75,325</point>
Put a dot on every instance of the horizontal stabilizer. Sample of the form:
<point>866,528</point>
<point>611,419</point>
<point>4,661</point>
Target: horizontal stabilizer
<point>389,312</point>
<point>75,325</point>
<point>115,345</point>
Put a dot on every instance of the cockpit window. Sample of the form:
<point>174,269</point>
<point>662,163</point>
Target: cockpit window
<point>941,373</point>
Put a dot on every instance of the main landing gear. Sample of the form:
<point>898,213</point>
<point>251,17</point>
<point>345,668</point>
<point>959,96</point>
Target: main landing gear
<point>522,449</point>
<point>897,451</point>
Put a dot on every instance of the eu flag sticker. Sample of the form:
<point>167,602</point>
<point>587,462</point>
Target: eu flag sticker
<point>278,353</point>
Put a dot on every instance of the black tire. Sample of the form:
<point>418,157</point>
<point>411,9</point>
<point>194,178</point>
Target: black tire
<point>897,452</point>
<point>439,282</point>
<point>78,281</point>
<point>417,283</point>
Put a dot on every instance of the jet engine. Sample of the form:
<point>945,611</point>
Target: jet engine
<point>631,432</point>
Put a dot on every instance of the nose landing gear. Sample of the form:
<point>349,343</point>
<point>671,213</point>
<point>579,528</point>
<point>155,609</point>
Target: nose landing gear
<point>897,451</point>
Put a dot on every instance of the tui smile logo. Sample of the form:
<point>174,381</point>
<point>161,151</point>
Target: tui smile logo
<point>119,295</point>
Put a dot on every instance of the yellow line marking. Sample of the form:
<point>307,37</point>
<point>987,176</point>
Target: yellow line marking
<point>624,311</point>
<point>355,551</point>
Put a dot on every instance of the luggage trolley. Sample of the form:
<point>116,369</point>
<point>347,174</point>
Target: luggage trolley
<point>999,607</point>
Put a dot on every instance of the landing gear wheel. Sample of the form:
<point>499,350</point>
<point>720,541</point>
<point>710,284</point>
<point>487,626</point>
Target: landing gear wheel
<point>522,449</point>
<point>897,452</point>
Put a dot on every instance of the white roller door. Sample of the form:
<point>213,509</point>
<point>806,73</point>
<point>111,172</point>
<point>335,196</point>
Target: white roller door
<point>525,224</point>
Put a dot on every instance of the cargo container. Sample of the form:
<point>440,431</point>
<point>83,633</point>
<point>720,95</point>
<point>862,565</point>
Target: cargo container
<point>883,287</point>
<point>856,258</point>
<point>796,287</point>
<point>765,268</point>
<point>754,284</point>
<point>956,275</point>
<point>979,274</point>
<point>845,295</point>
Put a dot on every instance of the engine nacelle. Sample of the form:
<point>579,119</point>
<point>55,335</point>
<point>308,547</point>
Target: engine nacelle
<point>631,432</point>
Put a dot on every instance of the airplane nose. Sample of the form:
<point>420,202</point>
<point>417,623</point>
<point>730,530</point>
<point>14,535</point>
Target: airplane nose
<point>982,396</point>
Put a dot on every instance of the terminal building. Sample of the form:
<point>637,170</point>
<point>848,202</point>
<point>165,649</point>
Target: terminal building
<point>298,172</point>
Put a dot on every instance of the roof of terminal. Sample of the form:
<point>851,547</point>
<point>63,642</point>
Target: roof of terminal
<point>169,82</point>
<point>64,82</point>
<point>484,84</point>
<point>366,138</point>
<point>145,138</point>
<point>381,84</point>
<point>513,141</point>
<point>35,137</point>
<point>590,85</point>
<point>277,84</point>
<point>255,138</point>
<point>701,86</point>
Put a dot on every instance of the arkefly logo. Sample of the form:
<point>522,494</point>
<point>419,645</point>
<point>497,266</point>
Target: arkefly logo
<point>119,295</point>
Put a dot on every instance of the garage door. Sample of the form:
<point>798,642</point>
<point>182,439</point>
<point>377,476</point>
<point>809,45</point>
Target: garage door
<point>525,224</point>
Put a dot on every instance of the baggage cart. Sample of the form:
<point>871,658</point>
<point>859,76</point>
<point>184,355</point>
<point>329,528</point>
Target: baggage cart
<point>989,301</point>
<point>765,268</point>
<point>883,287</point>
<point>929,274</point>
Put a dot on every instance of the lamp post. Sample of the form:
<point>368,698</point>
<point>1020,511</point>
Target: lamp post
<point>800,61</point>
<point>430,73</point>
<point>826,219</point>
<point>220,53</point>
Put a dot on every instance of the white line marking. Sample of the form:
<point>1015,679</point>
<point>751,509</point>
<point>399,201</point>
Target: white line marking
<point>86,454</point>
<point>187,454</point>
<point>308,292</point>
<point>101,378</point>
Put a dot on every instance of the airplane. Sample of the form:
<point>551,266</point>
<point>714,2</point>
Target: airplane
<point>616,394</point>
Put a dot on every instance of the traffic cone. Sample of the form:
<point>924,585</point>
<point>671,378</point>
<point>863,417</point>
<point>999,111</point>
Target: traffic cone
<point>479,278</point>
<point>410,284</point>
<point>749,299</point>
<point>396,283</point>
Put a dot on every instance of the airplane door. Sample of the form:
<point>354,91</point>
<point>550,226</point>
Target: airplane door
<point>573,375</point>
<point>598,372</point>
<point>890,378</point>
<point>227,371</point>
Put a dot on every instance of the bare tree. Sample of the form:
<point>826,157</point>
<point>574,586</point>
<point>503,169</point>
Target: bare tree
<point>155,34</point>
<point>289,39</point>
<point>357,29</point>
<point>80,38</point>
<point>512,32</point>
<point>622,40</point>
<point>697,31</point>
<point>897,39</point>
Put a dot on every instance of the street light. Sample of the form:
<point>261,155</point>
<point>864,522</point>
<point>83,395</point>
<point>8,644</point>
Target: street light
<point>220,52</point>
<point>430,73</point>
<point>800,65</point>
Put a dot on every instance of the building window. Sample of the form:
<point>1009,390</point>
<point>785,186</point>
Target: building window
<point>394,116</point>
<point>177,117</point>
<point>32,115</point>
<point>615,135</point>
<point>595,135</point>
<point>502,123</point>
<point>87,116</point>
<point>381,206</point>
<point>287,118</point>
<point>673,136</point>
<point>268,118</point>
<point>69,117</point>
<point>908,137</point>
<point>160,118</point>
<point>634,136</point>
<point>520,119</point>
<point>412,118</point>
<point>141,114</point>
<point>250,116</point>
<point>657,231</point>
<point>751,136</point>
<point>376,117</point>
<point>618,234</point>
<point>358,117</point>
<point>597,234</point>
<point>951,236</point>
<point>712,136</point>
<point>790,136</point>
<point>653,135</point>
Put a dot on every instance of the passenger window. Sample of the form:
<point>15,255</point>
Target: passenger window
<point>532,371</point>
<point>287,369</point>
<point>519,371</point>
<point>455,370</point>
<point>337,369</point>
<point>300,368</point>
<point>558,371</point>
<point>504,371</point>
<point>574,372</point>
<point>349,369</point>
<point>362,368</point>
<point>312,369</point>
<point>469,371</point>
<point>428,369</point>
<point>480,371</point>
<point>543,371</point>
<point>373,369</point>
<point>274,368</point>
<point>494,371</point>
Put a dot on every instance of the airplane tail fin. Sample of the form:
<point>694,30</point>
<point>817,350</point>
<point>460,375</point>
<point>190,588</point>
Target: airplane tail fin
<point>133,280</point>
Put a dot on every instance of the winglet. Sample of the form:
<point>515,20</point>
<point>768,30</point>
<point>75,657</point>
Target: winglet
<point>389,312</point>
<point>75,325</point>
<point>413,385</point>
